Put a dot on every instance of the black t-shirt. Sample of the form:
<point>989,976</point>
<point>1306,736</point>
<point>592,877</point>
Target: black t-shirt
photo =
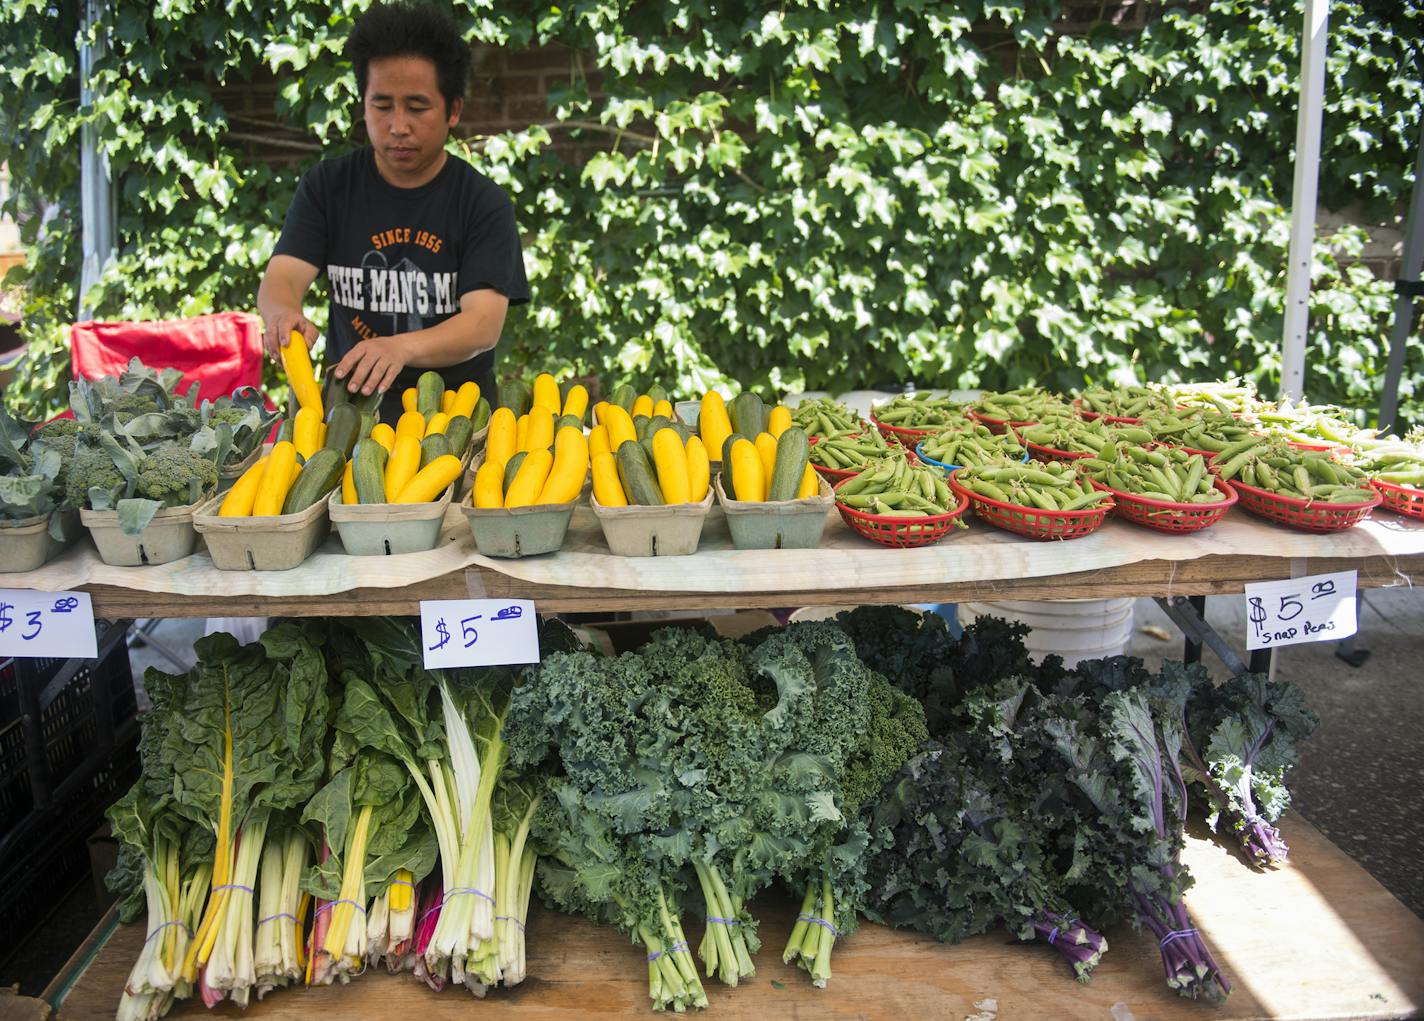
<point>399,259</point>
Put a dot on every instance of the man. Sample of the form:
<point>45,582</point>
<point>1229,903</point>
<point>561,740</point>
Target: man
<point>421,251</point>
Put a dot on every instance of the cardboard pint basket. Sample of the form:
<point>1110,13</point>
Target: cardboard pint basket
<point>780,524</point>
<point>273,542</point>
<point>26,544</point>
<point>168,537</point>
<point>388,529</point>
<point>518,531</point>
<point>668,530</point>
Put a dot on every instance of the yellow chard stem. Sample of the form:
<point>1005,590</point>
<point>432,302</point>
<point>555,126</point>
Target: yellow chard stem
<point>207,934</point>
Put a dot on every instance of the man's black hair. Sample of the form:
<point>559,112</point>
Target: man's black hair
<point>405,29</point>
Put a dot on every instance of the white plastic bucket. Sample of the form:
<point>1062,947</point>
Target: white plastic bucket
<point>1076,629</point>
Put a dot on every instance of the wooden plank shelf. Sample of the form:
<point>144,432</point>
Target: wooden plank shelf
<point>1316,939</point>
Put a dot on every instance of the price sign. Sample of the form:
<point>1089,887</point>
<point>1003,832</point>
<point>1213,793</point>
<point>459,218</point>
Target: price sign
<point>478,632</point>
<point>47,624</point>
<point>1317,608</point>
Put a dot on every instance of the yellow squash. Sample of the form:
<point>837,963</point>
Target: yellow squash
<point>766,447</point>
<point>447,401</point>
<point>576,403</point>
<point>529,480</point>
<point>748,475</point>
<point>699,472</point>
<point>276,480</point>
<point>403,463</point>
<point>348,486</point>
<point>643,406</point>
<point>664,408</point>
<point>778,421</point>
<point>239,499</point>
<point>411,424</point>
<point>296,360</point>
<point>810,484</point>
<point>546,393</point>
<point>670,459</point>
<point>500,441</point>
<point>620,426</point>
<point>714,425</point>
<point>570,467</point>
<point>607,490</point>
<point>541,429</point>
<point>438,423</point>
<point>384,435</point>
<point>598,441</point>
<point>465,400</point>
<point>306,432</point>
<point>432,480</point>
<point>408,397</point>
<point>489,485</point>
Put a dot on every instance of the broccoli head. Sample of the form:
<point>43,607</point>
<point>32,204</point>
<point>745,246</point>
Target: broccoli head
<point>91,467</point>
<point>131,405</point>
<point>174,476</point>
<point>231,414</point>
<point>56,430</point>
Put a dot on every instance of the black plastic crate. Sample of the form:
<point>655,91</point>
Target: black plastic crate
<point>80,704</point>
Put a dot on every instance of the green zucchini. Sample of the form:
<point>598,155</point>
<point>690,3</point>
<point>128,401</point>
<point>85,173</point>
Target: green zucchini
<point>636,473</point>
<point>515,395</point>
<point>284,431</point>
<point>429,393</point>
<point>748,414</point>
<point>512,468</point>
<point>792,451</point>
<point>480,418</point>
<point>343,429</point>
<point>318,477</point>
<point>334,392</point>
<point>657,392</point>
<point>624,396</point>
<point>640,426</point>
<point>433,446</point>
<point>458,432</point>
<point>727,451</point>
<point>368,472</point>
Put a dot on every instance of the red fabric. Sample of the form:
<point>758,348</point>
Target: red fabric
<point>219,352</point>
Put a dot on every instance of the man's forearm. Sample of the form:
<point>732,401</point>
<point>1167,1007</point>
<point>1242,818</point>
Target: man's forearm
<point>457,339</point>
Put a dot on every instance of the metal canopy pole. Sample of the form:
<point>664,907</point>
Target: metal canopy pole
<point>1303,201</point>
<point>96,188</point>
<point>1406,289</point>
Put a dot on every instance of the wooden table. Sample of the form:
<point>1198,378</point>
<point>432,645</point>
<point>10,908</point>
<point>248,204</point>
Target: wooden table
<point>1318,938</point>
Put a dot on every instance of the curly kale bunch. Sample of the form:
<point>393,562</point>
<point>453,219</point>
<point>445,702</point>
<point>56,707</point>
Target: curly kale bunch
<point>174,476</point>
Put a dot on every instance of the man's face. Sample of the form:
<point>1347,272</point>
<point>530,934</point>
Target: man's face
<point>407,119</point>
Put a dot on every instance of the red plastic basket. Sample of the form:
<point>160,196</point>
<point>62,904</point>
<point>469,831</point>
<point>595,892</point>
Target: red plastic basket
<point>1043,453</point>
<point>905,436</point>
<point>1032,522</point>
<point>833,475</point>
<point>1170,516</point>
<point>1093,416</point>
<point>1303,515</point>
<point>900,533</point>
<point>1400,499</point>
<point>998,425</point>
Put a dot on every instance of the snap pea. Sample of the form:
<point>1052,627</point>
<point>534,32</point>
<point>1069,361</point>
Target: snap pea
<point>1198,428</point>
<point>848,449</point>
<point>1311,475</point>
<point>821,416</point>
<point>1125,401</point>
<point>1047,486</point>
<point>1078,436</point>
<point>1232,396</point>
<point>1312,423</point>
<point>1171,474</point>
<point>1399,462</point>
<point>1024,404</point>
<point>893,483</point>
<point>921,411</point>
<point>973,445</point>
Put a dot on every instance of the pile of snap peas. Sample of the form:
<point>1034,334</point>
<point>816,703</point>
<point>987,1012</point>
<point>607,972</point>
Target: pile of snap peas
<point>1232,396</point>
<point>896,488</point>
<point>1400,462</point>
<point>1166,474</point>
<point>1307,423</point>
<point>1024,404</point>
<point>1126,401</point>
<point>822,416</point>
<point>1052,486</point>
<point>849,449</point>
<point>1198,428</point>
<point>1075,435</point>
<point>920,411</point>
<point>1302,474</point>
<point>974,445</point>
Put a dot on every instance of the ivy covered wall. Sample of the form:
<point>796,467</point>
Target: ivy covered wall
<point>815,195</point>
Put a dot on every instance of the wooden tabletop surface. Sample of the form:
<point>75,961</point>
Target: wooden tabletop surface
<point>1318,938</point>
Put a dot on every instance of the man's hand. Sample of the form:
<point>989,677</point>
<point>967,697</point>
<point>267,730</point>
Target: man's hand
<point>280,327</point>
<point>372,365</point>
